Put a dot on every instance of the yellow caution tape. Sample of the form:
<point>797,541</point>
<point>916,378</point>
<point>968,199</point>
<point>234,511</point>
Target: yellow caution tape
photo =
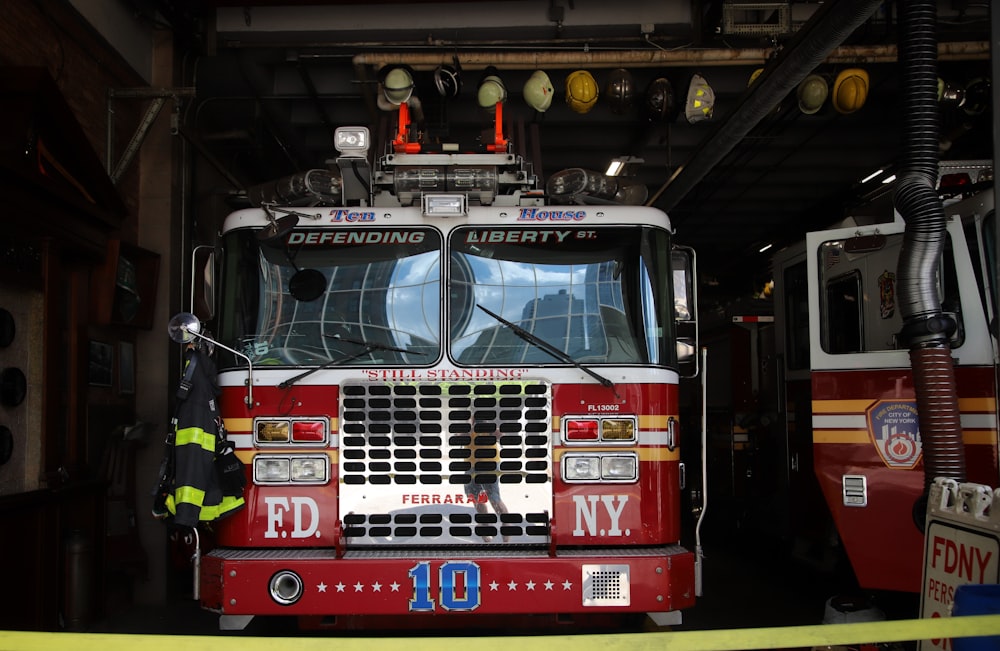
<point>739,639</point>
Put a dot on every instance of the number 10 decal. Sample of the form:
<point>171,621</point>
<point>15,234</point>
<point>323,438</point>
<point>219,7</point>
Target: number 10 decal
<point>459,586</point>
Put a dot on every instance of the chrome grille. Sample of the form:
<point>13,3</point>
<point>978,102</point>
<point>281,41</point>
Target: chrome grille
<point>410,452</point>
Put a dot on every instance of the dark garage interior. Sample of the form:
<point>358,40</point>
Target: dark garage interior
<point>135,126</point>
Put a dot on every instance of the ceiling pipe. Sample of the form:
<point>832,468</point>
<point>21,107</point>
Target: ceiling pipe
<point>516,60</point>
<point>830,26</point>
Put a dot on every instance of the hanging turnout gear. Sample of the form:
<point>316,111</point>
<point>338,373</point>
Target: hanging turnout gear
<point>200,479</point>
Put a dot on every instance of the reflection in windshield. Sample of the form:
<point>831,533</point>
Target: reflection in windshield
<point>600,295</point>
<point>386,293</point>
<point>577,290</point>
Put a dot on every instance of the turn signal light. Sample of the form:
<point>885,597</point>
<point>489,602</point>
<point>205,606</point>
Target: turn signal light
<point>582,430</point>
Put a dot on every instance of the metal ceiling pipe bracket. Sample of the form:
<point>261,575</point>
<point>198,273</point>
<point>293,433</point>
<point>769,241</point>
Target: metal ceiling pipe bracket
<point>159,97</point>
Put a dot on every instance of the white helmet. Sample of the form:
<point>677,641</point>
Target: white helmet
<point>397,84</point>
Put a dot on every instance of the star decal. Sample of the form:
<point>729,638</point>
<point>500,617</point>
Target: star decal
<point>567,584</point>
<point>340,586</point>
<point>377,587</point>
<point>394,586</point>
<point>548,585</point>
<point>512,586</point>
<point>358,587</point>
<point>530,585</point>
<point>321,587</point>
<point>494,586</point>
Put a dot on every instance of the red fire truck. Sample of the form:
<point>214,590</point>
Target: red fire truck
<point>847,401</point>
<point>451,395</point>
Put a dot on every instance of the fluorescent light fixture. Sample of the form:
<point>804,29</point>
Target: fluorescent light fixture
<point>615,167</point>
<point>889,179</point>
<point>871,176</point>
<point>618,165</point>
<point>765,248</point>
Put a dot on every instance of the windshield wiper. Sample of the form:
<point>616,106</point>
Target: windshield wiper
<point>367,348</point>
<point>373,346</point>
<point>547,347</point>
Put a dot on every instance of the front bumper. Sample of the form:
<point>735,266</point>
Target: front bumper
<point>238,581</point>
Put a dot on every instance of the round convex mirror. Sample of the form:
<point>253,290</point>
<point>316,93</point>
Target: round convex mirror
<point>307,285</point>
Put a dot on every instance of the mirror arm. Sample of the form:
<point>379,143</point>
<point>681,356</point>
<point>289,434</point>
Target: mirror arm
<point>249,396</point>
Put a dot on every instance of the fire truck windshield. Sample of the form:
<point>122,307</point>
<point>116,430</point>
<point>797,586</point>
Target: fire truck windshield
<point>600,295</point>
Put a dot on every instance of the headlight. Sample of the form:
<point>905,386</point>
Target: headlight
<point>270,470</point>
<point>600,467</point>
<point>581,468</point>
<point>618,468</point>
<point>309,469</point>
<point>290,469</point>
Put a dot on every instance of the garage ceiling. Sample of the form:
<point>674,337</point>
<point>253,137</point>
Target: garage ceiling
<point>273,80</point>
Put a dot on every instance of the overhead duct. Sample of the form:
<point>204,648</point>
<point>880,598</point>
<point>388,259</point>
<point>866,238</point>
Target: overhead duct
<point>926,329</point>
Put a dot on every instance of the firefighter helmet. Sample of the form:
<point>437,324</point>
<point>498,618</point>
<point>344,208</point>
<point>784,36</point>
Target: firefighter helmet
<point>581,91</point>
<point>977,96</point>
<point>620,90</point>
<point>397,84</point>
<point>491,90</point>
<point>447,80</point>
<point>812,94</point>
<point>700,100</point>
<point>538,91</point>
<point>660,100</point>
<point>850,90</point>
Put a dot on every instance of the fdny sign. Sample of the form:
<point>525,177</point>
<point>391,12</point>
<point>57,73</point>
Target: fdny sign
<point>961,547</point>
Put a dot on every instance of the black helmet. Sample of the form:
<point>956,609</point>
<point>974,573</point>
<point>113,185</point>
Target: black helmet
<point>448,79</point>
<point>621,88</point>
<point>660,100</point>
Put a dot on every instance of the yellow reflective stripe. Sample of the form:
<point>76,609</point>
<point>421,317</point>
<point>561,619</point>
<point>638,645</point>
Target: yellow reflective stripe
<point>214,512</point>
<point>189,495</point>
<point>196,436</point>
<point>208,512</point>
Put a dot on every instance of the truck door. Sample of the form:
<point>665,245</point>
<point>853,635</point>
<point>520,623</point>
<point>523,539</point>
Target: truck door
<point>867,448</point>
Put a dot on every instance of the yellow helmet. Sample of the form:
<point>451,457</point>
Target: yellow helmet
<point>581,91</point>
<point>850,90</point>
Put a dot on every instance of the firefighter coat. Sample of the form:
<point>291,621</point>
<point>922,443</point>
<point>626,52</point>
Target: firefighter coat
<point>195,491</point>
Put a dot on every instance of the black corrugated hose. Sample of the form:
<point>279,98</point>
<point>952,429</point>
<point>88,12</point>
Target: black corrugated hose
<point>926,330</point>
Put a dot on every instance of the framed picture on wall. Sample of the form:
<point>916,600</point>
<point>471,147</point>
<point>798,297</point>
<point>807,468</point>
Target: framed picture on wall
<point>126,367</point>
<point>99,372</point>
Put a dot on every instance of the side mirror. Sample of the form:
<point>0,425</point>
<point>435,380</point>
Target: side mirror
<point>185,327</point>
<point>683,269</point>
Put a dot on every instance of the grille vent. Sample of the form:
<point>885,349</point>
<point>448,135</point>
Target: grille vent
<point>606,585</point>
<point>409,450</point>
